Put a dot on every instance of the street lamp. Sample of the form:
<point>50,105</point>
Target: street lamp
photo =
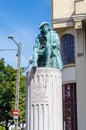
<point>17,80</point>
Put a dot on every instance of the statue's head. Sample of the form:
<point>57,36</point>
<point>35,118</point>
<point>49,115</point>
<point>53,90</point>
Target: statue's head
<point>44,27</point>
<point>42,24</point>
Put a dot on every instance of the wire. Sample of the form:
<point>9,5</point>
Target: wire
<point>7,49</point>
<point>24,55</point>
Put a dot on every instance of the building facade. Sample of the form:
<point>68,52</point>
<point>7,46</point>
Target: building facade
<point>69,20</point>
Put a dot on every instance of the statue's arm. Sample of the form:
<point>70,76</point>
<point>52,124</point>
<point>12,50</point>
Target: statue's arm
<point>36,42</point>
<point>34,48</point>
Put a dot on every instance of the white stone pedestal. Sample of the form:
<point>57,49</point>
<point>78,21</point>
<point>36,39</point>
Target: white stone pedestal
<point>44,99</point>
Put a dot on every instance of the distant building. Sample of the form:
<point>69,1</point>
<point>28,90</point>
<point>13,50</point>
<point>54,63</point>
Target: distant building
<point>69,20</point>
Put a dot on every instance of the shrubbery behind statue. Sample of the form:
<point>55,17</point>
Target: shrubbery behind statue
<point>46,51</point>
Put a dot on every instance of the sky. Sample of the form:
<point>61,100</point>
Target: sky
<point>21,19</point>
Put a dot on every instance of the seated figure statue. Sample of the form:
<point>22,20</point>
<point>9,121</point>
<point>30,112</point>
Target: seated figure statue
<point>46,51</point>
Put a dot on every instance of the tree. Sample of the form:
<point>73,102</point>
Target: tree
<point>7,90</point>
<point>22,99</point>
<point>7,93</point>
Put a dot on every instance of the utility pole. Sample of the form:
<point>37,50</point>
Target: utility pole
<point>17,83</point>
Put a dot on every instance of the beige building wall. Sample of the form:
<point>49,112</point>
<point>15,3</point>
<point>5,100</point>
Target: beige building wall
<point>81,78</point>
<point>70,17</point>
<point>80,7</point>
<point>63,9</point>
<point>66,8</point>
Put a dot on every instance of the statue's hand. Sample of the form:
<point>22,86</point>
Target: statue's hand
<point>30,61</point>
<point>53,46</point>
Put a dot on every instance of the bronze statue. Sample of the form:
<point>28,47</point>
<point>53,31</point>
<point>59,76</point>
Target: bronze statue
<point>46,51</point>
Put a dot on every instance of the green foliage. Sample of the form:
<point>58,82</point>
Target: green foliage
<point>22,99</point>
<point>2,128</point>
<point>7,85</point>
<point>8,91</point>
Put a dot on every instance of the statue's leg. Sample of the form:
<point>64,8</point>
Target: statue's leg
<point>59,60</point>
<point>48,54</point>
<point>35,57</point>
<point>54,59</point>
<point>54,62</point>
<point>59,63</point>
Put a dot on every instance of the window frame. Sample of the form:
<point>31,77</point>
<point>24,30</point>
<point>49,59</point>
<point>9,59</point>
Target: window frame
<point>69,106</point>
<point>68,49</point>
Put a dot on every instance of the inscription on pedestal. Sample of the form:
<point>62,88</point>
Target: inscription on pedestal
<point>39,92</point>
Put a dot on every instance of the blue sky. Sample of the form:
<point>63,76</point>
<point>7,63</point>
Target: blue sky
<point>21,18</point>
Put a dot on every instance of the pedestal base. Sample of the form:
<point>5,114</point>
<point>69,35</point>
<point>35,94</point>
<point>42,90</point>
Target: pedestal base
<point>44,99</point>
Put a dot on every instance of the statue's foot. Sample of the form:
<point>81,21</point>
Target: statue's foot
<point>35,65</point>
<point>47,64</point>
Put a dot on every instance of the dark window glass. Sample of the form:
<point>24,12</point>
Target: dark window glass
<point>69,107</point>
<point>68,49</point>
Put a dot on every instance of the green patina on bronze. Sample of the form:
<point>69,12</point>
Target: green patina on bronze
<point>46,51</point>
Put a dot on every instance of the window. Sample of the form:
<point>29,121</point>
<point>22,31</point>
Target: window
<point>69,107</point>
<point>68,49</point>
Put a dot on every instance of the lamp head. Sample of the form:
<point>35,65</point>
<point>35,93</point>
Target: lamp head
<point>10,36</point>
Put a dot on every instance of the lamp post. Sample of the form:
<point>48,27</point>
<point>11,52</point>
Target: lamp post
<point>17,81</point>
